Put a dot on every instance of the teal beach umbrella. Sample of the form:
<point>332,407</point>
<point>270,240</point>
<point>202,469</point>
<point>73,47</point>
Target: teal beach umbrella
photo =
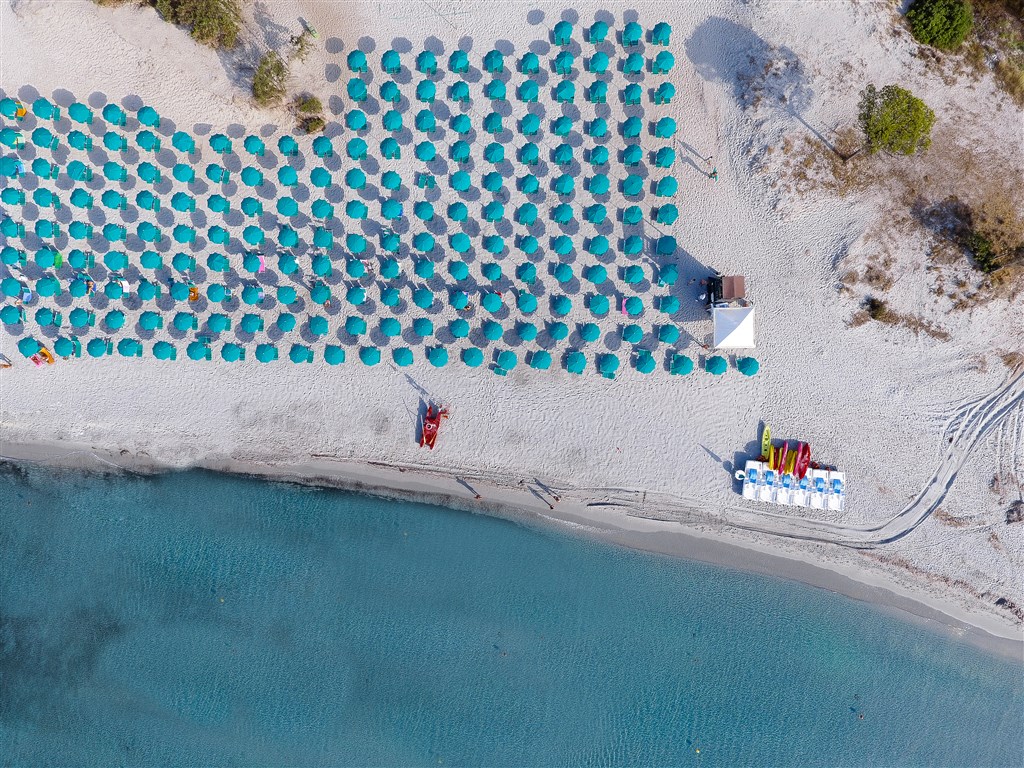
<point>748,366</point>
<point>716,365</point>
<point>558,330</point>
<point>668,334</point>
<point>681,365</point>
<point>644,362</point>
<point>266,353</point>
<point>526,331</point>
<point>599,304</point>
<point>492,330</point>
<point>540,360</point>
<point>459,270</point>
<point>355,325</point>
<point>632,334</point>
<point>575,362</point>
<point>438,356</point>
<point>459,328</point>
<point>607,365</point>
<point>473,357</point>
<point>589,332</point>
<point>164,350</point>
<point>369,355</point>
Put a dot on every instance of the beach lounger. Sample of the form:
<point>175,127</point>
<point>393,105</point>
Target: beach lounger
<point>819,488</point>
<point>767,491</point>
<point>801,493</point>
<point>837,486</point>
<point>753,477</point>
<point>785,493</point>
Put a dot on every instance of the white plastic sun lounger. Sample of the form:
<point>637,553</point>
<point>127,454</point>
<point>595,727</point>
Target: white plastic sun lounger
<point>819,488</point>
<point>753,476</point>
<point>767,491</point>
<point>800,492</point>
<point>785,492</point>
<point>837,486</point>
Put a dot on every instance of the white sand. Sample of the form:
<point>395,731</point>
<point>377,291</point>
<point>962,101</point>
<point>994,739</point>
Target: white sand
<point>880,403</point>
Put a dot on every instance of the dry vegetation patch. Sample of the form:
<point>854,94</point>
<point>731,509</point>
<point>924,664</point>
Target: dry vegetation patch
<point>878,310</point>
<point>963,202</point>
<point>942,516</point>
<point>999,43</point>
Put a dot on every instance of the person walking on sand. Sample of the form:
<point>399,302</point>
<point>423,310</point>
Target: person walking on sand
<point>713,175</point>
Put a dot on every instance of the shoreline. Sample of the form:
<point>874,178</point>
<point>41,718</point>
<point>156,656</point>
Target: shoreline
<point>532,503</point>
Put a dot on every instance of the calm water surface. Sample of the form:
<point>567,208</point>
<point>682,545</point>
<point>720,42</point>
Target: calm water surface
<point>196,619</point>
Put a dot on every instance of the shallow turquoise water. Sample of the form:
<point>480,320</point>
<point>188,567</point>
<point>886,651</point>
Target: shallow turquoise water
<point>199,619</point>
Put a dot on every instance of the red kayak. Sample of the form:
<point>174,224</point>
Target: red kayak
<point>782,456</point>
<point>803,459</point>
<point>431,423</point>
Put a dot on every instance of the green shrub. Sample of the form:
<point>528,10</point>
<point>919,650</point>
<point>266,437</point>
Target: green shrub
<point>216,23</point>
<point>303,44</point>
<point>308,105</point>
<point>894,120</point>
<point>312,124</point>
<point>982,251</point>
<point>941,23</point>
<point>268,82</point>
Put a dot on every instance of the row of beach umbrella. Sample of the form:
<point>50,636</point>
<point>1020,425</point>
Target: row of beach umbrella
<point>253,294</point>
<point>493,124</point>
<point>503,362</point>
<point>494,61</point>
<point>114,320</point>
<point>527,92</point>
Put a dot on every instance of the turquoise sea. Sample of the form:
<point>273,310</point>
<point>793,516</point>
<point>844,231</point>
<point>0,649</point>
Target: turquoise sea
<point>198,619</point>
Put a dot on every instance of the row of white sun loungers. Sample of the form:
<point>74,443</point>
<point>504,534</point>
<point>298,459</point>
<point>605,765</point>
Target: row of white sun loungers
<point>819,488</point>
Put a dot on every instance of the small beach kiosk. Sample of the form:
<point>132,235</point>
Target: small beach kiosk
<point>731,311</point>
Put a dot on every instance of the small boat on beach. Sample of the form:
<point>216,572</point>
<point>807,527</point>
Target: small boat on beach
<point>430,425</point>
<point>803,459</point>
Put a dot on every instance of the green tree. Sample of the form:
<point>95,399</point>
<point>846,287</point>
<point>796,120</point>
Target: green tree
<point>941,23</point>
<point>216,23</point>
<point>894,120</point>
<point>268,82</point>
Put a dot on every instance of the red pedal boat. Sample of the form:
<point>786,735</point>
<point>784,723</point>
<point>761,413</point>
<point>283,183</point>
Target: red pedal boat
<point>431,423</point>
<point>803,459</point>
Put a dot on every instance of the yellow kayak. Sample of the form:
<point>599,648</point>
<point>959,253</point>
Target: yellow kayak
<point>766,440</point>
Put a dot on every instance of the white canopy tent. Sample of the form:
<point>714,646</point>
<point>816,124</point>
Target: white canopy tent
<point>734,327</point>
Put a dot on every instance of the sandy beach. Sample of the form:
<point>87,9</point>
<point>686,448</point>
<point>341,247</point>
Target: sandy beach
<point>929,427</point>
